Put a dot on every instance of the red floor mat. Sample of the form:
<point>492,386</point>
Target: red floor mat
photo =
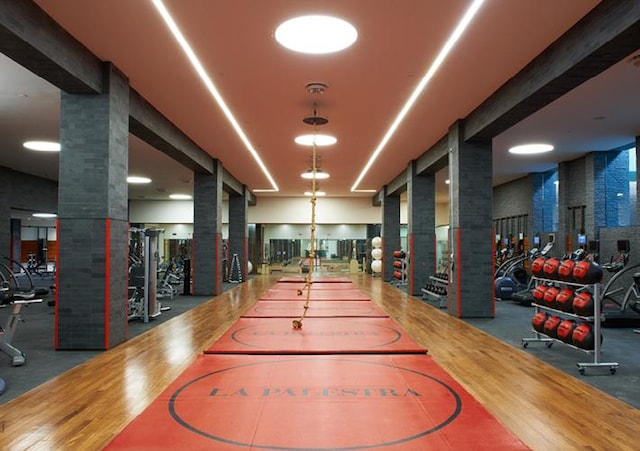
<point>318,295</point>
<point>317,336</point>
<point>317,309</point>
<point>288,279</point>
<point>304,403</point>
<point>315,286</point>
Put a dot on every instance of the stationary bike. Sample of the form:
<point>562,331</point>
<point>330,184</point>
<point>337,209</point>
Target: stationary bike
<point>15,297</point>
<point>9,330</point>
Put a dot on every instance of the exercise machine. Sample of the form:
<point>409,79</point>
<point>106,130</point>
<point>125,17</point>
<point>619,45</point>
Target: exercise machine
<point>169,281</point>
<point>143,302</point>
<point>511,277</point>
<point>16,302</point>
<point>621,293</point>
<point>632,296</point>
<point>14,295</point>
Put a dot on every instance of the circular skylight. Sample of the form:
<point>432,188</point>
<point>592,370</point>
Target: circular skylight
<point>319,175</point>
<point>136,180</point>
<point>318,140</point>
<point>42,146</point>
<point>316,34</point>
<point>531,149</point>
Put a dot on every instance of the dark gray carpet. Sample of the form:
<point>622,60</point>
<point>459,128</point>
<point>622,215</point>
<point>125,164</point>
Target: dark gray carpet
<point>620,344</point>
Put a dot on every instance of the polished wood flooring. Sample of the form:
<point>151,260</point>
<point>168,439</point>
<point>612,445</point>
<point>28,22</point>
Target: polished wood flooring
<point>86,407</point>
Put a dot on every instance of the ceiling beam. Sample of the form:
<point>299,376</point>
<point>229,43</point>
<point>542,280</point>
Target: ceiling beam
<point>234,188</point>
<point>34,40</point>
<point>30,37</point>
<point>430,162</point>
<point>605,36</point>
<point>399,184</point>
<point>435,159</point>
<point>151,126</point>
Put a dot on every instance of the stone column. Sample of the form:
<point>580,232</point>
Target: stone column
<point>207,232</point>
<point>390,233</point>
<point>421,209</point>
<point>238,232</point>
<point>470,292</point>
<point>91,294</point>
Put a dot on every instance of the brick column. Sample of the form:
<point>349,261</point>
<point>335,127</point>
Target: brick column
<point>16,240</point>
<point>595,194</point>
<point>470,291</point>
<point>207,232</point>
<point>563,226</point>
<point>617,201</point>
<point>238,231</point>
<point>91,308</point>
<point>390,233</point>
<point>543,204</point>
<point>421,209</point>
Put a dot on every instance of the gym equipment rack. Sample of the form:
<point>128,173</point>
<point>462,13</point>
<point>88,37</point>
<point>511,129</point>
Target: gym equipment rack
<point>401,267</point>
<point>429,294</point>
<point>596,320</point>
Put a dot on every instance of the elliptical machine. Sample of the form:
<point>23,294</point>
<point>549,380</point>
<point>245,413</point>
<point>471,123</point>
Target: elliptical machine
<point>511,277</point>
<point>620,294</point>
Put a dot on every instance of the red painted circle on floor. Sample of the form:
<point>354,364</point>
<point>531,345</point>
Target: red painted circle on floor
<point>339,402</point>
<point>355,335</point>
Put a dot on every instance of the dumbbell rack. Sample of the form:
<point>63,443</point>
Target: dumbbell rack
<point>596,320</point>
<point>439,298</point>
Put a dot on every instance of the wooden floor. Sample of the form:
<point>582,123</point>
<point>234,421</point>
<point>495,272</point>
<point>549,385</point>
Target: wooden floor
<point>86,407</point>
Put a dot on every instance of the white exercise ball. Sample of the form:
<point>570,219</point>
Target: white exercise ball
<point>249,267</point>
<point>376,253</point>
<point>376,266</point>
<point>376,242</point>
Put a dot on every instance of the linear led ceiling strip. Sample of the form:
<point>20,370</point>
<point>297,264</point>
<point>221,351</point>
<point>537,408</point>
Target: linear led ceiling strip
<point>197,65</point>
<point>459,30</point>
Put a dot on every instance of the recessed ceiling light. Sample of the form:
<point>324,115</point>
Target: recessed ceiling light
<point>42,146</point>
<point>318,140</point>
<point>180,196</point>
<point>319,175</point>
<point>138,180</point>
<point>44,215</point>
<point>531,149</point>
<point>318,193</point>
<point>316,34</point>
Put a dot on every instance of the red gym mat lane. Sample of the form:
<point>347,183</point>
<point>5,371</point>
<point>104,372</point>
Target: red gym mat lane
<point>315,286</point>
<point>303,403</point>
<point>317,336</point>
<point>288,279</point>
<point>317,309</point>
<point>317,295</point>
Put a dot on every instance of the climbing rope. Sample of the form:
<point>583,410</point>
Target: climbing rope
<point>297,323</point>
